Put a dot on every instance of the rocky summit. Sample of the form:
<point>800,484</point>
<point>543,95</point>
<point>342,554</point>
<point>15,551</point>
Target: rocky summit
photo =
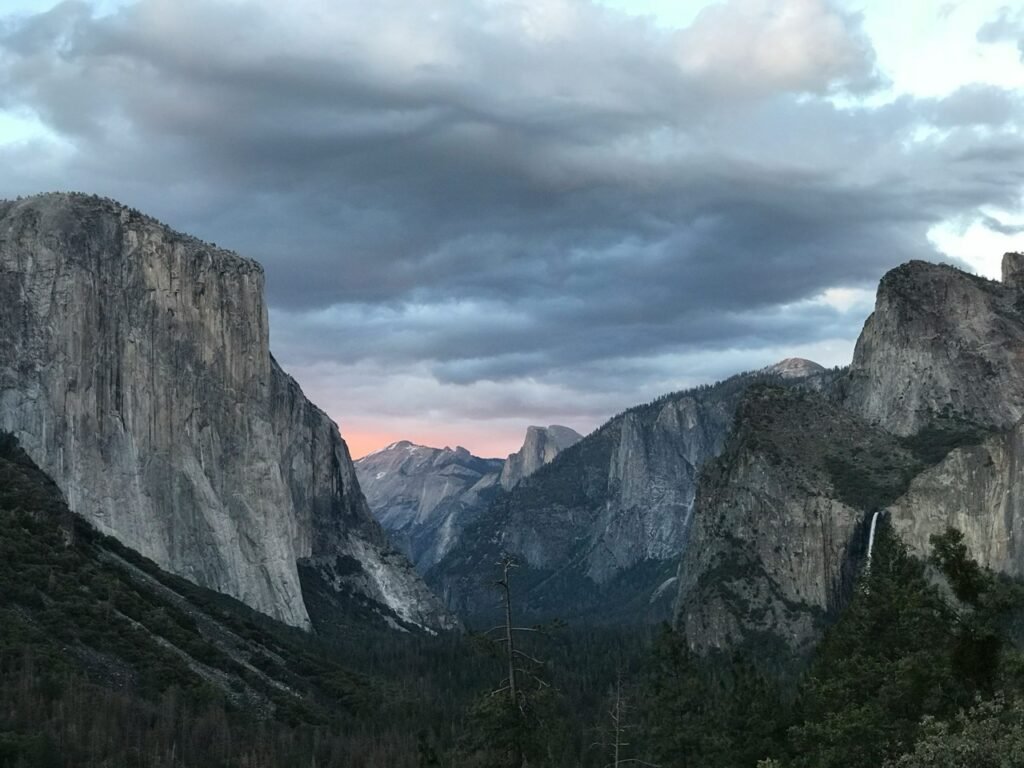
<point>599,531</point>
<point>425,497</point>
<point>795,368</point>
<point>135,370</point>
<point>541,446</point>
<point>941,343</point>
<point>923,432</point>
<point>780,523</point>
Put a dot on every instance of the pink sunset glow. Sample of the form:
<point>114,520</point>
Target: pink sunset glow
<point>479,439</point>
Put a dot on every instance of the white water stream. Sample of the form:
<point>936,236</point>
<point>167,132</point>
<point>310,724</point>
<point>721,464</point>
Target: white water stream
<point>871,536</point>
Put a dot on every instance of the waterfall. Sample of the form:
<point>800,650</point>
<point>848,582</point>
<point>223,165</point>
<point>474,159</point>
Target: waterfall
<point>871,536</point>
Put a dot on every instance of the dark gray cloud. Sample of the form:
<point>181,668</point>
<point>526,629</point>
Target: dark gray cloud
<point>510,211</point>
<point>996,225</point>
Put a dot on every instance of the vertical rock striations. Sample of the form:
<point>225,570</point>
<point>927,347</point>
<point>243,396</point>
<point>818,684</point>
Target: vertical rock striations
<point>541,446</point>
<point>599,530</point>
<point>941,343</point>
<point>1013,270</point>
<point>135,370</point>
<point>978,489</point>
<point>775,540</point>
<point>425,496</point>
<point>927,425</point>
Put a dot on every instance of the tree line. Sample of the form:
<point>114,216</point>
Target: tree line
<point>921,668</point>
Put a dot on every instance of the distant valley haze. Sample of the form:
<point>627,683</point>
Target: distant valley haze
<point>475,216</point>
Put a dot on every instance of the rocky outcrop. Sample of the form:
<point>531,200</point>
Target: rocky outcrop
<point>135,371</point>
<point>541,446</point>
<point>795,368</point>
<point>599,531</point>
<point>424,497</point>
<point>941,343</point>
<point>925,425</point>
<point>652,480</point>
<point>780,520</point>
<point>1013,270</point>
<point>978,489</point>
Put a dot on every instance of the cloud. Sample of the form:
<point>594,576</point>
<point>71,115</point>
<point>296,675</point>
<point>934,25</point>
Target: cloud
<point>1007,26</point>
<point>1001,227</point>
<point>796,45</point>
<point>495,213</point>
<point>978,105</point>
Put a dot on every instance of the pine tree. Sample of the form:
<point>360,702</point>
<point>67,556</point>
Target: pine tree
<point>674,703</point>
<point>880,669</point>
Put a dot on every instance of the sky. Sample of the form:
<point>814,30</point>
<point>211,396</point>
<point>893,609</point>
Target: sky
<point>477,215</point>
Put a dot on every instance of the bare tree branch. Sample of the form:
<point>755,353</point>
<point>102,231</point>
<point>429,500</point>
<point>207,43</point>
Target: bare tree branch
<point>538,662</point>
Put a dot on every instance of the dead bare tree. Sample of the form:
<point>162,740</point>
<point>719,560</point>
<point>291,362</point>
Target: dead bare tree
<point>522,679</point>
<point>618,729</point>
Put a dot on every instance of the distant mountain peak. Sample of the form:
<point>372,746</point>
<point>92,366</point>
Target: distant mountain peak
<point>794,368</point>
<point>541,446</point>
<point>424,496</point>
<point>420,494</point>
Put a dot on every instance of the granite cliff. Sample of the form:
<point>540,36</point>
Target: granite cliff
<point>780,521</point>
<point>425,497</point>
<point>541,446</point>
<point>599,531</point>
<point>135,371</point>
<point>977,488</point>
<point>941,343</point>
<point>925,428</point>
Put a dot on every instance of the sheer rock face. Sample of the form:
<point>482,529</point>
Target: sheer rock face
<point>628,497</point>
<point>424,496</point>
<point>780,521</point>
<point>1013,270</point>
<point>541,446</point>
<point>652,480</point>
<point>135,370</point>
<point>599,531</point>
<point>978,489</point>
<point>941,343</point>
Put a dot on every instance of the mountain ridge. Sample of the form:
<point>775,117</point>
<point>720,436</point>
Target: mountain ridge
<point>138,375</point>
<point>598,532</point>
<point>923,430</point>
<point>424,497</point>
